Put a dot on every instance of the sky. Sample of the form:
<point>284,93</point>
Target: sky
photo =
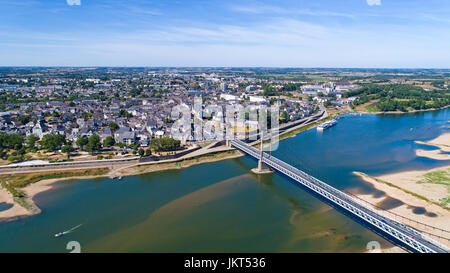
<point>226,33</point>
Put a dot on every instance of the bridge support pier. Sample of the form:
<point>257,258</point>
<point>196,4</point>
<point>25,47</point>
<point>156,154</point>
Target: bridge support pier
<point>264,169</point>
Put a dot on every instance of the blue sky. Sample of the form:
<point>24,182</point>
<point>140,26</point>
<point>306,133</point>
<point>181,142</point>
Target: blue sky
<point>284,33</point>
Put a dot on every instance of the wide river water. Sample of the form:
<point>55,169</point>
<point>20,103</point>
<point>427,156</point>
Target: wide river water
<point>223,207</point>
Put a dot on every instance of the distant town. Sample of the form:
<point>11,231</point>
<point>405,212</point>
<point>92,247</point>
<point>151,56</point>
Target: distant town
<point>127,111</point>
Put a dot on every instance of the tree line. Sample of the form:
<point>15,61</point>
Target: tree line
<point>14,147</point>
<point>400,97</point>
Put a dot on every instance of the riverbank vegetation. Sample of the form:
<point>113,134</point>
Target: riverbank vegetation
<point>399,97</point>
<point>16,148</point>
<point>14,183</point>
<point>23,180</point>
<point>180,164</point>
<point>441,177</point>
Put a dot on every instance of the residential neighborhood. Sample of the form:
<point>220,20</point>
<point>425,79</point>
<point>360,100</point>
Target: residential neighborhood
<point>134,107</point>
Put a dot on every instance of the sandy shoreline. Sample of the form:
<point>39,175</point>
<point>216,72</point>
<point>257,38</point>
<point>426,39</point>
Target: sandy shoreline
<point>434,154</point>
<point>420,195</point>
<point>406,197</point>
<point>442,143</point>
<point>17,211</point>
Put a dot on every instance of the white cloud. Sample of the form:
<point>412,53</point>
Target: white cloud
<point>287,32</point>
<point>374,2</point>
<point>265,9</point>
<point>74,2</point>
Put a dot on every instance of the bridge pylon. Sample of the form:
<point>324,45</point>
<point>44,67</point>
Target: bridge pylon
<point>227,143</point>
<point>262,167</point>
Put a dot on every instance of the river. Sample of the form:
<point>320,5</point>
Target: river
<point>222,207</point>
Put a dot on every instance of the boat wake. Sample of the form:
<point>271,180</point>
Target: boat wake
<point>67,231</point>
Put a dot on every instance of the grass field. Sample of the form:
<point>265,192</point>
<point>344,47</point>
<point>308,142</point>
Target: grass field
<point>441,177</point>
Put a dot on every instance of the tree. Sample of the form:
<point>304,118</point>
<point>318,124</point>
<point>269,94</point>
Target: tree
<point>120,145</point>
<point>148,152</point>
<point>93,144</point>
<point>31,140</point>
<point>109,141</point>
<point>67,149</point>
<point>141,152</point>
<point>284,116</point>
<point>86,115</point>
<point>15,141</point>
<point>56,114</point>
<point>3,140</point>
<point>81,142</point>
<point>124,113</point>
<point>22,151</point>
<point>53,142</point>
<point>164,144</point>
<point>24,119</point>
<point>113,126</point>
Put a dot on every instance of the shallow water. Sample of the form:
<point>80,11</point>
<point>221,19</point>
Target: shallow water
<point>5,206</point>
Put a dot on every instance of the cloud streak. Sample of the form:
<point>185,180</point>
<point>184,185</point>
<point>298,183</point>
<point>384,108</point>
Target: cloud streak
<point>276,10</point>
<point>73,2</point>
<point>374,2</point>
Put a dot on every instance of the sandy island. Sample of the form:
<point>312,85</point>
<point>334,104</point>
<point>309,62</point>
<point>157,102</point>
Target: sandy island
<point>407,204</point>
<point>442,142</point>
<point>423,196</point>
<point>407,188</point>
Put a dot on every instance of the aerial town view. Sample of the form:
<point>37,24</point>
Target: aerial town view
<point>251,127</point>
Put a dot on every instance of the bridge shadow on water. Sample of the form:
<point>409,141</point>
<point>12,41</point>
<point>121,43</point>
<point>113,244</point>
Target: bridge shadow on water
<point>343,211</point>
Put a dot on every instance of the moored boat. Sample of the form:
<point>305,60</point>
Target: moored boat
<point>327,124</point>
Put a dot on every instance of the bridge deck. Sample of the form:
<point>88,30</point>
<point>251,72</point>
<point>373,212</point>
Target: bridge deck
<point>410,237</point>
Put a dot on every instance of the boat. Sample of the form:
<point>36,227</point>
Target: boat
<point>60,234</point>
<point>327,124</point>
<point>67,231</point>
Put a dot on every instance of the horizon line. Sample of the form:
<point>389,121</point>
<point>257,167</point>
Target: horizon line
<point>266,67</point>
